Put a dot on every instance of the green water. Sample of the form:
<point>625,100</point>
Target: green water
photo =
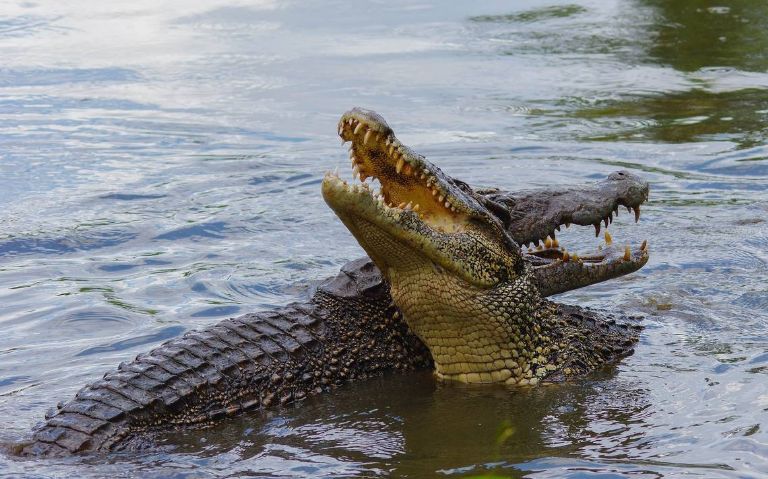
<point>160,168</point>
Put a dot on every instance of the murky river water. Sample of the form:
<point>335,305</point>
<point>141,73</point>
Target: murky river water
<point>160,166</point>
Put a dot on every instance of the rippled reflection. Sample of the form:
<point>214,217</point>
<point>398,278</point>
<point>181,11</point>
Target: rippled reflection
<point>159,171</point>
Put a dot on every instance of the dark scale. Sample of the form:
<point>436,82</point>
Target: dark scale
<point>348,330</point>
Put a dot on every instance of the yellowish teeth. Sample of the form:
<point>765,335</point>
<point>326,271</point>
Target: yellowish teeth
<point>627,253</point>
<point>608,238</point>
<point>399,166</point>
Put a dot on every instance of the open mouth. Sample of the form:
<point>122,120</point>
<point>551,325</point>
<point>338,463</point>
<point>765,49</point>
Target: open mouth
<point>547,251</point>
<point>406,182</point>
<point>396,183</point>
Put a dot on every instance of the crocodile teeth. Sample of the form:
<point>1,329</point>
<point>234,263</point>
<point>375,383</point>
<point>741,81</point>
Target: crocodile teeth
<point>358,128</point>
<point>416,207</point>
<point>627,253</point>
<point>555,243</point>
<point>448,204</point>
<point>608,239</point>
<point>566,256</point>
<point>548,242</point>
<point>399,166</point>
<point>367,136</point>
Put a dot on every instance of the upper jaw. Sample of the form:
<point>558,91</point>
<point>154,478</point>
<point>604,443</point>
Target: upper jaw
<point>418,206</point>
<point>538,214</point>
<point>408,180</point>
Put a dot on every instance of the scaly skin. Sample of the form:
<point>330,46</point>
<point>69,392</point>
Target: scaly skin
<point>351,329</point>
<point>459,277</point>
<point>348,330</point>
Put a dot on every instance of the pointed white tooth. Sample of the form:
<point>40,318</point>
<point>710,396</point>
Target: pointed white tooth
<point>399,166</point>
<point>434,192</point>
<point>391,150</point>
<point>447,204</point>
<point>441,198</point>
<point>401,205</point>
<point>416,207</point>
<point>409,205</point>
<point>358,128</point>
<point>453,209</point>
<point>367,136</point>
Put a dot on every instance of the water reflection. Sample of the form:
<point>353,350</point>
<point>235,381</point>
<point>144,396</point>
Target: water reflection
<point>159,170</point>
<point>695,115</point>
<point>693,35</point>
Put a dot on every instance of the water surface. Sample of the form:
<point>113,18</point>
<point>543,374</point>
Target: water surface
<point>160,168</point>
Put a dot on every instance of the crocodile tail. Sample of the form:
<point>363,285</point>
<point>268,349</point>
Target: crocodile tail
<point>349,329</point>
<point>198,377</point>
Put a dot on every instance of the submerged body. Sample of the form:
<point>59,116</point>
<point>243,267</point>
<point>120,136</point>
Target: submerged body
<point>466,301</point>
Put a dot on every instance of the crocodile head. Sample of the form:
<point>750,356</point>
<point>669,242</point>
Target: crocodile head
<point>465,286</point>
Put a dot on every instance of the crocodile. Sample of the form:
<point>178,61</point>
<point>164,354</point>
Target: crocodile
<point>456,280</point>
